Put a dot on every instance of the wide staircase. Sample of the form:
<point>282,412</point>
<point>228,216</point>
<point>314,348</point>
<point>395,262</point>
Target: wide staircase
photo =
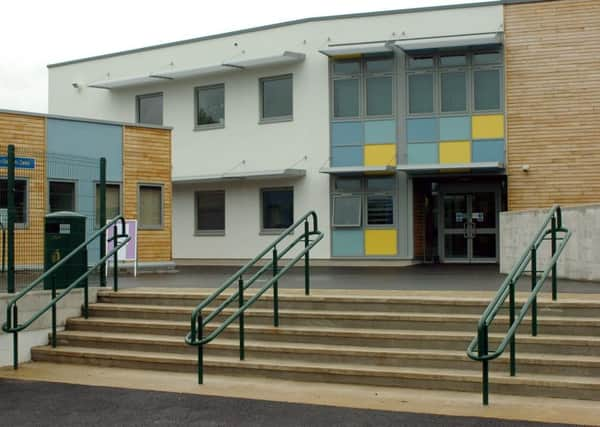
<point>414,341</point>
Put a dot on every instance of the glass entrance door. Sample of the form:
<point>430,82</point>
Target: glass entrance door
<point>469,227</point>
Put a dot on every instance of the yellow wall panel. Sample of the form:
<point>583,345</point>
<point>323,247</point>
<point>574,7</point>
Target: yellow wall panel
<point>455,152</point>
<point>380,154</point>
<point>381,242</point>
<point>488,126</point>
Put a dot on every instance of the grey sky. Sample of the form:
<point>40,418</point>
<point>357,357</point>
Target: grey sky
<point>36,33</point>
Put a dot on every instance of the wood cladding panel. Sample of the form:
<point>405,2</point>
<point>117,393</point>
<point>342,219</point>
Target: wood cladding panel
<point>147,160</point>
<point>28,134</point>
<point>553,102</point>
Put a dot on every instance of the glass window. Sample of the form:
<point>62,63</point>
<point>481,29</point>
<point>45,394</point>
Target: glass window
<point>487,58</point>
<point>420,93</point>
<point>150,109</point>
<point>380,64</point>
<point>276,97</point>
<point>377,184</point>
<point>61,196</point>
<point>347,185</point>
<point>277,208</point>
<point>210,105</point>
<point>20,200</point>
<point>380,201</point>
<point>210,211</point>
<point>453,60</point>
<point>150,206</point>
<point>346,66</point>
<point>345,98</point>
<point>379,96</point>
<point>487,89</point>
<point>420,63</point>
<point>113,202</point>
<point>454,91</point>
<point>347,211</point>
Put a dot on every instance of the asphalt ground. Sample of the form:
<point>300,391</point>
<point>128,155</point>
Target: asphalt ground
<point>27,403</point>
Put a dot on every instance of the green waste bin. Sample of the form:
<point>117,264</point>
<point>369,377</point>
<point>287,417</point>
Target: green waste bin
<point>63,232</point>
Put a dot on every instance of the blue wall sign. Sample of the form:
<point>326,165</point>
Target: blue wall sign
<point>20,162</point>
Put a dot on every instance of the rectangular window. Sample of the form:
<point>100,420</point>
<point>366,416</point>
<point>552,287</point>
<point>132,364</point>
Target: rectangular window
<point>20,201</point>
<point>380,201</point>
<point>380,64</point>
<point>487,89</point>
<point>379,96</point>
<point>420,93</point>
<point>453,60</point>
<point>486,58</point>
<point>276,98</point>
<point>420,63</point>
<point>210,212</point>
<point>346,67</point>
<point>347,185</point>
<point>150,108</point>
<point>61,196</point>
<point>277,208</point>
<point>113,202</point>
<point>345,98</point>
<point>454,91</point>
<point>210,106</point>
<point>347,210</point>
<point>150,206</point>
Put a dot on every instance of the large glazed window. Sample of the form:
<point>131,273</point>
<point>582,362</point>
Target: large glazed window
<point>487,89</point>
<point>276,98</point>
<point>149,109</point>
<point>379,96</point>
<point>347,202</point>
<point>113,202</point>
<point>210,107</point>
<point>454,91</point>
<point>61,196</point>
<point>346,98</point>
<point>277,208</point>
<point>420,93</point>
<point>210,212</point>
<point>20,201</point>
<point>150,212</point>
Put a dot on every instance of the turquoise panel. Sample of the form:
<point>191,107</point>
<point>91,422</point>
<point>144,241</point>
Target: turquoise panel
<point>347,243</point>
<point>346,133</point>
<point>346,156</point>
<point>455,128</point>
<point>74,151</point>
<point>422,130</point>
<point>422,153</point>
<point>380,132</point>
<point>488,151</point>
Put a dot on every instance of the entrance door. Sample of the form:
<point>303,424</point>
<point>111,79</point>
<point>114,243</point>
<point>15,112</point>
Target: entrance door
<point>469,230</point>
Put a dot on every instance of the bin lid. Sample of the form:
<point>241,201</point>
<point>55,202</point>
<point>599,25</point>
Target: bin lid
<point>63,214</point>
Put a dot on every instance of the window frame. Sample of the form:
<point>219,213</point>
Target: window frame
<point>277,119</point>
<point>488,67</point>
<point>142,226</point>
<point>137,107</point>
<point>209,126</point>
<point>75,193</point>
<point>340,195</point>
<point>96,185</point>
<point>272,231</point>
<point>25,224</point>
<point>392,193</point>
<point>198,232</point>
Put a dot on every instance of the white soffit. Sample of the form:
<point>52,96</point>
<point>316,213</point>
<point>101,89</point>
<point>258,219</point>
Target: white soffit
<point>462,41</point>
<point>184,73</point>
<point>442,167</point>
<point>356,49</point>
<point>287,57</point>
<point>340,170</point>
<point>126,82</point>
<point>242,175</point>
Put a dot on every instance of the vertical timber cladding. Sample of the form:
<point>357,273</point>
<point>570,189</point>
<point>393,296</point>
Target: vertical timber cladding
<point>28,134</point>
<point>147,160</point>
<point>553,102</point>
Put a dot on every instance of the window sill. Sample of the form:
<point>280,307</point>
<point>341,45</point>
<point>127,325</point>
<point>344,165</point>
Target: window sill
<point>273,232</point>
<point>198,128</point>
<point>270,120</point>
<point>209,233</point>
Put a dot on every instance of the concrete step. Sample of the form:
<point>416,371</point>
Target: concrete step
<point>394,304</point>
<point>335,354</point>
<point>443,379</point>
<point>349,319</point>
<point>415,339</point>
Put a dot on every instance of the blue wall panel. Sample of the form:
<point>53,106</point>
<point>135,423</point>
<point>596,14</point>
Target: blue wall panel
<point>347,156</point>
<point>380,132</point>
<point>422,153</point>
<point>347,243</point>
<point>346,133</point>
<point>488,151</point>
<point>422,130</point>
<point>455,128</point>
<point>74,151</point>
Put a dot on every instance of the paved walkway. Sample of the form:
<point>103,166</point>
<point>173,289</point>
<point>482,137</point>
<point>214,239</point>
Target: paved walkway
<point>28,403</point>
<point>419,277</point>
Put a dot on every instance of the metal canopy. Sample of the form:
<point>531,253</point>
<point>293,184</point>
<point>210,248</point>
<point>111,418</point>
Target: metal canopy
<point>444,167</point>
<point>462,41</point>
<point>356,49</point>
<point>184,73</point>
<point>286,57</point>
<point>126,82</point>
<point>340,170</point>
<point>242,175</point>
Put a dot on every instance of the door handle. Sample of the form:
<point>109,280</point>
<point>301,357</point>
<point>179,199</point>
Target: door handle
<point>473,230</point>
<point>466,230</point>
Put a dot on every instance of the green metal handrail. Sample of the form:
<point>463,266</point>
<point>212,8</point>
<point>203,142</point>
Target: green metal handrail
<point>12,325</point>
<point>196,335</point>
<point>478,349</point>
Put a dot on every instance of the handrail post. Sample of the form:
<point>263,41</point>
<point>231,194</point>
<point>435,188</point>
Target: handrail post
<point>275,291</point>
<point>102,219</point>
<point>306,261</point>
<point>15,338</point>
<point>533,283</point>
<point>241,318</point>
<point>483,351</point>
<point>200,352</point>
<point>85,300</point>
<point>554,278</point>
<point>11,214</point>
<point>115,261</point>
<point>53,311</point>
<point>513,363</point>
